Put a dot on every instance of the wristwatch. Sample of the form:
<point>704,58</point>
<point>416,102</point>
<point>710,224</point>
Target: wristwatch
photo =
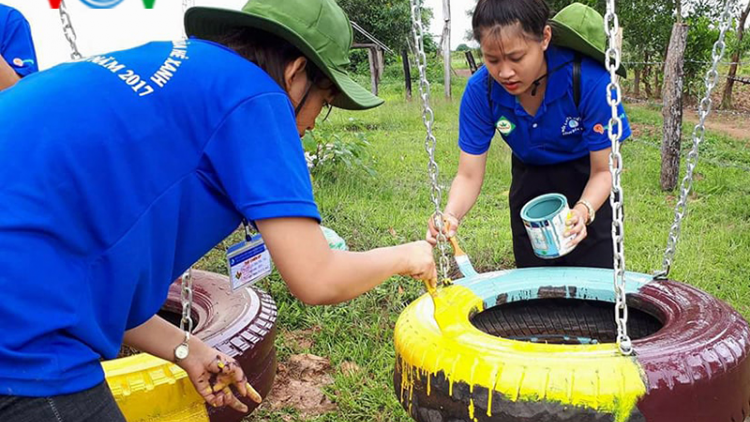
<point>183,349</point>
<point>589,208</point>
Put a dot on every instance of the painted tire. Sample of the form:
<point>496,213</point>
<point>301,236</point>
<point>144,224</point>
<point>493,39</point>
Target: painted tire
<point>241,324</point>
<point>690,363</point>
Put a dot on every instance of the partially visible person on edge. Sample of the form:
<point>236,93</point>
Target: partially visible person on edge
<point>135,172</point>
<point>526,91</point>
<point>17,54</point>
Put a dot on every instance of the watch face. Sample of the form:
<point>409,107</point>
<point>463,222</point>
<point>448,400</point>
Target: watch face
<point>181,352</point>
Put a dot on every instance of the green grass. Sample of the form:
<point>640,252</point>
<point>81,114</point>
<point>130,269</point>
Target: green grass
<point>393,207</point>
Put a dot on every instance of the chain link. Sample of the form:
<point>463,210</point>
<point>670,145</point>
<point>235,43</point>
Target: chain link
<point>69,31</point>
<point>428,117</point>
<point>614,131</point>
<point>186,298</point>
<point>704,108</point>
<point>187,4</point>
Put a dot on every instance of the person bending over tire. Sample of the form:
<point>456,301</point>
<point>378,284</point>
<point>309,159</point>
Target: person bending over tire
<point>119,171</point>
<point>554,119</point>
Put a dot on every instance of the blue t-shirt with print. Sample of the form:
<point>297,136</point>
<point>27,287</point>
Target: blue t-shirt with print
<point>116,174</point>
<point>16,45</point>
<point>559,131</point>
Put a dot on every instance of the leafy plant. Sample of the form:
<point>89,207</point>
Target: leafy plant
<point>327,151</point>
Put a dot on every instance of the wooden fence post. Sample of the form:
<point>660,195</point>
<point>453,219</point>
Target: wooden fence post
<point>407,73</point>
<point>672,110</point>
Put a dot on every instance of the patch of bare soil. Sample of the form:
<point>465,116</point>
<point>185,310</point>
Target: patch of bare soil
<point>299,384</point>
<point>736,126</point>
<point>300,341</point>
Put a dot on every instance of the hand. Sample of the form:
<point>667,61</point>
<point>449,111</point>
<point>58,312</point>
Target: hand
<point>420,263</point>
<point>576,225</point>
<point>213,373</point>
<point>450,227</point>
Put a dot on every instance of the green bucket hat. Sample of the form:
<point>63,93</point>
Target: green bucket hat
<point>581,28</point>
<point>318,28</point>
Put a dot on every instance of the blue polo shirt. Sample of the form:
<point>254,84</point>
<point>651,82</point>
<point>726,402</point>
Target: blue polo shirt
<point>559,131</point>
<point>16,45</point>
<point>116,174</point>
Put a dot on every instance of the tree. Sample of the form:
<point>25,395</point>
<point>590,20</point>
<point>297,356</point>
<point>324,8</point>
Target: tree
<point>387,20</point>
<point>726,99</point>
<point>463,47</point>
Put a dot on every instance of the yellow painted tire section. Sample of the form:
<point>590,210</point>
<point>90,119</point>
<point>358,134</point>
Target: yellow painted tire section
<point>595,379</point>
<point>150,389</point>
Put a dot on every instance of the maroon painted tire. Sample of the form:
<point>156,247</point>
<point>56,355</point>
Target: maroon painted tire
<point>241,324</point>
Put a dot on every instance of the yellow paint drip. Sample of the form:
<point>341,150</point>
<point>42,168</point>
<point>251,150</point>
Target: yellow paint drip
<point>595,377</point>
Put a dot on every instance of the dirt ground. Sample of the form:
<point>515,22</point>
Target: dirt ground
<point>300,383</point>
<point>736,126</point>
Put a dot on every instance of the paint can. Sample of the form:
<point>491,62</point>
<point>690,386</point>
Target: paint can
<point>544,218</point>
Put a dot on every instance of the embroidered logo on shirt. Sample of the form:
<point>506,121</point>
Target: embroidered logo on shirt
<point>599,129</point>
<point>505,126</point>
<point>572,125</point>
<point>23,63</point>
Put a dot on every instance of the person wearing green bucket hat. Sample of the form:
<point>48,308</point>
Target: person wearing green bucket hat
<point>146,159</point>
<point>543,88</point>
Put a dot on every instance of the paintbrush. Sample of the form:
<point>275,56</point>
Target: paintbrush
<point>462,259</point>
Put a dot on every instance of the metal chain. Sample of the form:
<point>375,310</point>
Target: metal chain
<point>186,298</point>
<point>612,55</point>
<point>70,33</point>
<point>428,117</point>
<point>187,4</point>
<point>712,78</point>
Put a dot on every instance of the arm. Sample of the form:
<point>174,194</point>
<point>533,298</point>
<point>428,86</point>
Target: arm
<point>596,192</point>
<point>467,184</point>
<point>210,371</point>
<point>8,76</point>
<point>318,275</point>
<point>464,192</point>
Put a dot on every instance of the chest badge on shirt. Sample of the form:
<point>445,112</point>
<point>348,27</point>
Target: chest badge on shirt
<point>504,126</point>
<point>18,62</point>
<point>572,125</point>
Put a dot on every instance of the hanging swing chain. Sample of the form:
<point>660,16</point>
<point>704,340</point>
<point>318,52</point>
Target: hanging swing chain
<point>187,4</point>
<point>70,33</point>
<point>614,131</point>
<point>428,117</point>
<point>711,80</point>
<point>186,298</point>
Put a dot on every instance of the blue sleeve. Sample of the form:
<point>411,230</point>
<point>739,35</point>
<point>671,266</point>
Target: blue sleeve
<point>597,112</point>
<point>475,126</point>
<point>16,45</point>
<point>256,158</point>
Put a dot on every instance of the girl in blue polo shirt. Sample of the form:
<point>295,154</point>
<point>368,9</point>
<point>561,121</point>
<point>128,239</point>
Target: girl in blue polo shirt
<point>119,171</point>
<point>17,55</point>
<point>557,131</point>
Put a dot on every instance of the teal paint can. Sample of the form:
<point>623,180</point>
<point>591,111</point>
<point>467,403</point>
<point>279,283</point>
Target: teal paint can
<point>544,218</point>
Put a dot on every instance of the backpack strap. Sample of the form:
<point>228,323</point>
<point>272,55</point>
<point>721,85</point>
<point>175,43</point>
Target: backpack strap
<point>489,91</point>
<point>577,78</point>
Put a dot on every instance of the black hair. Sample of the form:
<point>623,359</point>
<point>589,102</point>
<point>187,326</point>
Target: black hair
<point>492,15</point>
<point>271,53</point>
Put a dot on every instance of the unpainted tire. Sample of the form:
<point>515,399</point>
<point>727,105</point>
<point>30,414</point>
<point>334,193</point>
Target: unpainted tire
<point>241,324</point>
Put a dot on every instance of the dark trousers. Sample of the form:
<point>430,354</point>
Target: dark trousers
<point>569,179</point>
<point>93,405</point>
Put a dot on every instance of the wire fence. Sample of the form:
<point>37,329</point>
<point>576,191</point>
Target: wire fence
<point>660,104</point>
